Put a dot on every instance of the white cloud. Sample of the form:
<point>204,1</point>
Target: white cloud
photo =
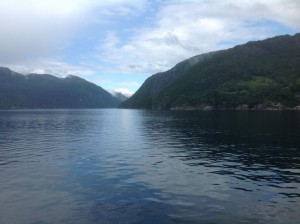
<point>123,91</point>
<point>186,28</point>
<point>50,66</point>
<point>32,30</point>
<point>35,35</point>
<point>108,8</point>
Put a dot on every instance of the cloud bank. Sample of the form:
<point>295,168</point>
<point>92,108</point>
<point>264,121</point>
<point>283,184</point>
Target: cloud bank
<point>185,28</point>
<point>35,35</point>
<point>91,38</point>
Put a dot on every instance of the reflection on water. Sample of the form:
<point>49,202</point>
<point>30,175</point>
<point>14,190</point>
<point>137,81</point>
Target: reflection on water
<point>135,166</point>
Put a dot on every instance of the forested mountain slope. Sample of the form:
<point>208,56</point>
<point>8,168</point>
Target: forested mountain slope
<point>256,75</point>
<point>47,91</point>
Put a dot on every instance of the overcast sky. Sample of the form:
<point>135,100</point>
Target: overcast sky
<point>117,44</point>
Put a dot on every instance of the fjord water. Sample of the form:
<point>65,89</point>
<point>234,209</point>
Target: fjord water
<point>138,166</point>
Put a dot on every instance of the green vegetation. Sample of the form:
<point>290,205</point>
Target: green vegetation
<point>257,73</point>
<point>46,91</point>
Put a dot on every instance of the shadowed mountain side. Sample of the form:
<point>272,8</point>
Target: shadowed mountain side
<point>47,91</point>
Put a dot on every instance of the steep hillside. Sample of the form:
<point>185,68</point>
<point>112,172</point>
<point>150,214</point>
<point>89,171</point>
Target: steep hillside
<point>47,91</point>
<point>257,75</point>
<point>160,81</point>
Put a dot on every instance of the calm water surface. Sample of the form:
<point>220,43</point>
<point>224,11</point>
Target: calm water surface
<point>135,166</point>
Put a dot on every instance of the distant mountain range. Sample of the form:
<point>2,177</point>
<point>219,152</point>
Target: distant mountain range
<point>47,91</point>
<point>258,75</point>
<point>122,97</point>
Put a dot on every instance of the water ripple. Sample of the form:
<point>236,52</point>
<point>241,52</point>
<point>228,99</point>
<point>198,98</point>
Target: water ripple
<point>135,166</point>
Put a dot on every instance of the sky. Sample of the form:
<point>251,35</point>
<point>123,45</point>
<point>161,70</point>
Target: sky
<point>117,44</point>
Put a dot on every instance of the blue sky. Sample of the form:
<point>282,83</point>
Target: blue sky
<point>117,44</point>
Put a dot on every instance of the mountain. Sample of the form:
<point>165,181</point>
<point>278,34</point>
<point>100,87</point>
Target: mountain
<point>257,75</point>
<point>118,95</point>
<point>47,91</point>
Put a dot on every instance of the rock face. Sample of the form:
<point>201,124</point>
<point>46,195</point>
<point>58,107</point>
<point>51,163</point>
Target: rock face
<point>259,75</point>
<point>243,107</point>
<point>271,106</point>
<point>47,91</point>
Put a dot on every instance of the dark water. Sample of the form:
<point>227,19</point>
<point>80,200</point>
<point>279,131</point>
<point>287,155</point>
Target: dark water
<point>135,166</point>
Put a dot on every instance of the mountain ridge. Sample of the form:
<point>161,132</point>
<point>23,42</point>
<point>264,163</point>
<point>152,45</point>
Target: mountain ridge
<point>48,91</point>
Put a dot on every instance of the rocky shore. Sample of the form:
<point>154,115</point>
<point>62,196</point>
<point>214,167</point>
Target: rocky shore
<point>267,106</point>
